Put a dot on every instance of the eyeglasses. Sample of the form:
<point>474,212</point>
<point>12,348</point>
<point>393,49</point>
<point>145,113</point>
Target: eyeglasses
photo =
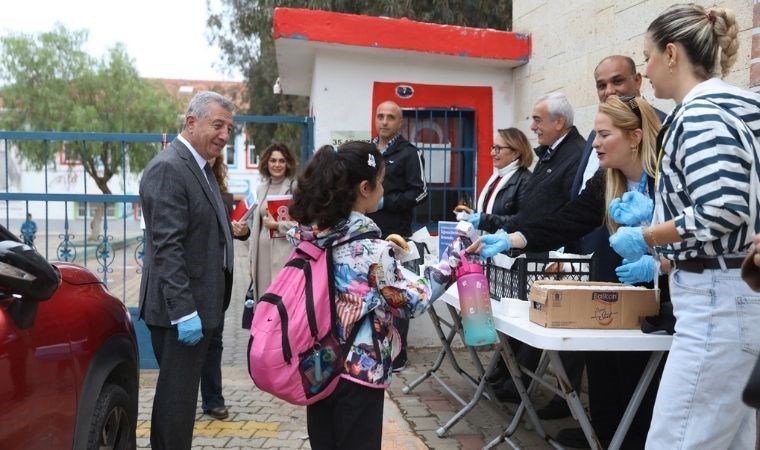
<point>497,148</point>
<point>630,101</point>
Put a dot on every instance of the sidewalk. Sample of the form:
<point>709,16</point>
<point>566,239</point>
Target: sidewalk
<point>258,420</point>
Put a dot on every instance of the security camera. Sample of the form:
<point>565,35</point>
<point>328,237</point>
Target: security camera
<point>277,89</point>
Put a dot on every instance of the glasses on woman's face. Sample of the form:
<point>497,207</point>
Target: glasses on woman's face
<point>496,148</point>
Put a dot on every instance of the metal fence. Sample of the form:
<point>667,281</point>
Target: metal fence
<point>50,176</point>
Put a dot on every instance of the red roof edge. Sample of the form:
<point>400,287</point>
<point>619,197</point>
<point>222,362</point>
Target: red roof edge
<point>399,34</point>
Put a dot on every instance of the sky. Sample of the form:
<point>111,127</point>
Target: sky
<point>165,38</point>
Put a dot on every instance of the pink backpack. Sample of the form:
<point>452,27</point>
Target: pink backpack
<point>294,352</point>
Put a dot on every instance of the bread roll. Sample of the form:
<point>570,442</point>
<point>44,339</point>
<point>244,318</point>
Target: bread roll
<point>399,241</point>
<point>462,208</point>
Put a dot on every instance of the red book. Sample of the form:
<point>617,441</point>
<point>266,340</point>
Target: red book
<point>277,205</point>
<point>244,208</point>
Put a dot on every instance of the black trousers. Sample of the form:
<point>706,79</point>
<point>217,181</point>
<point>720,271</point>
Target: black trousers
<point>612,378</point>
<point>349,419</point>
<point>176,396</point>
<point>211,375</point>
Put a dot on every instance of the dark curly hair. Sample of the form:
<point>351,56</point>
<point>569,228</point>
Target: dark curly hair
<point>327,188</point>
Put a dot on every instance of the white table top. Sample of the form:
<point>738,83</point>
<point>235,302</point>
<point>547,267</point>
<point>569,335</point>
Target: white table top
<point>518,325</point>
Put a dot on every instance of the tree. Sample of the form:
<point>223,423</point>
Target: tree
<point>49,83</point>
<point>243,31</point>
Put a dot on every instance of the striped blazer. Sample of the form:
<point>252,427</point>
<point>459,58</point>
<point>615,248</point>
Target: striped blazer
<point>707,162</point>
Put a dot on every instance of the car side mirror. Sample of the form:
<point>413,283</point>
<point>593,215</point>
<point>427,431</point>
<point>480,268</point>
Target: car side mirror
<point>25,273</point>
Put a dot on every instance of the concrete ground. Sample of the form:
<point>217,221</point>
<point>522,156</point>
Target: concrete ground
<point>258,420</point>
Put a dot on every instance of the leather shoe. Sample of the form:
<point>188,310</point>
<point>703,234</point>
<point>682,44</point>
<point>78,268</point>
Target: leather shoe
<point>218,413</point>
<point>556,409</point>
<point>507,391</point>
<point>574,437</point>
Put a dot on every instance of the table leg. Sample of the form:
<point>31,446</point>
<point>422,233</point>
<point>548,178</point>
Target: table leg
<point>573,401</point>
<point>636,398</point>
<point>446,341</point>
<point>441,432</point>
<point>526,404</point>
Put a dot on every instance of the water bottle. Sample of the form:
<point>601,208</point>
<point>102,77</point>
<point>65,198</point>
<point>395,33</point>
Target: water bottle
<point>475,303</point>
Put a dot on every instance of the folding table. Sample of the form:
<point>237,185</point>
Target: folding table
<point>552,341</point>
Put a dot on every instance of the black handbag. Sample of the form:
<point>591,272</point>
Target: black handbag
<point>248,306</point>
<point>751,394</point>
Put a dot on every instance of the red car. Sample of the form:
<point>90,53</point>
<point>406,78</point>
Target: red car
<point>68,357</point>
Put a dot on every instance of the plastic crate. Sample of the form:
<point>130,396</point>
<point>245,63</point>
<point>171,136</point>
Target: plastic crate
<point>516,281</point>
<point>414,265</point>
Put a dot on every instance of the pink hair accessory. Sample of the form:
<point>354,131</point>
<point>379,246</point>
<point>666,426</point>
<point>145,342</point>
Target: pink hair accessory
<point>711,16</point>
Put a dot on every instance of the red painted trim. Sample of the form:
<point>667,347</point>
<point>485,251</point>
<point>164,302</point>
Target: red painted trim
<point>399,34</point>
<point>478,98</point>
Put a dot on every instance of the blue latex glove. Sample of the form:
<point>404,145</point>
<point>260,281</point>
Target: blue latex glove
<point>494,243</point>
<point>629,243</point>
<point>380,203</point>
<point>474,219</point>
<point>641,271</point>
<point>634,209</point>
<point>189,331</point>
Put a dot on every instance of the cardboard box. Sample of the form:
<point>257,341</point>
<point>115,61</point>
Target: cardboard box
<point>586,304</point>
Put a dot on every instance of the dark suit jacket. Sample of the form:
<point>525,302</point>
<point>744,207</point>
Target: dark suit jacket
<point>184,242</point>
<point>548,188</point>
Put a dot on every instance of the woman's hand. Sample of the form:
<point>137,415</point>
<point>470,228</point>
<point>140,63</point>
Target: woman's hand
<point>269,222</point>
<point>239,228</point>
<point>490,244</point>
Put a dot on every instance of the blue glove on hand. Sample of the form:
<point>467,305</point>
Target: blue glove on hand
<point>494,243</point>
<point>629,243</point>
<point>474,219</point>
<point>634,209</point>
<point>189,331</point>
<point>641,271</point>
<point>380,203</point>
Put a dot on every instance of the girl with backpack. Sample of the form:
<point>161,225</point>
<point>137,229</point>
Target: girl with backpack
<point>333,197</point>
<point>704,219</point>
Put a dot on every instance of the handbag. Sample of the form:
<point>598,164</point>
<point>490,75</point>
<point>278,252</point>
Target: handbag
<point>249,303</point>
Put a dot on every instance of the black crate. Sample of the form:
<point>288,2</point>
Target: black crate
<point>414,265</point>
<point>516,281</point>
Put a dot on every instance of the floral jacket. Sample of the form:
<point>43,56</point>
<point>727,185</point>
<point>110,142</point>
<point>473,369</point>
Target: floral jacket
<point>370,290</point>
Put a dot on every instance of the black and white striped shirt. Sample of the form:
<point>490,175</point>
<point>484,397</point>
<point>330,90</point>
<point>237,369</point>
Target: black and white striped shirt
<point>712,141</point>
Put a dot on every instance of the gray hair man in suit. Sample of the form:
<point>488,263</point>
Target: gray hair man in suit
<point>188,248</point>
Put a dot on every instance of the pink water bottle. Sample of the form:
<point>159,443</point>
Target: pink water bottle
<point>475,303</point>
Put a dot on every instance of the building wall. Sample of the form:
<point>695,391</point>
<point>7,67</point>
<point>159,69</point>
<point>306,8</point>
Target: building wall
<point>341,92</point>
<point>570,38</point>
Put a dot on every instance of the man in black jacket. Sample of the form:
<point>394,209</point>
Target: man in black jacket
<point>405,187</point>
<point>548,190</point>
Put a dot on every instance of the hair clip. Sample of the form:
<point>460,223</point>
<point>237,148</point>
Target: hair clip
<point>711,16</point>
<point>371,161</point>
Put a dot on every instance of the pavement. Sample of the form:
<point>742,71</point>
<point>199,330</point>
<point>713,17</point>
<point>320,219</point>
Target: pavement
<point>259,421</point>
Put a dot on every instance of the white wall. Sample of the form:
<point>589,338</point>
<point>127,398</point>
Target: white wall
<point>570,38</point>
<point>341,93</point>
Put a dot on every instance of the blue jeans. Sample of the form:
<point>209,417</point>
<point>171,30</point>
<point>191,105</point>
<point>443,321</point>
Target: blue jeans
<point>717,341</point>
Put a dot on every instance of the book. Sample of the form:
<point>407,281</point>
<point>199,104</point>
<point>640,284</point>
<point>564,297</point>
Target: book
<point>244,208</point>
<point>277,205</point>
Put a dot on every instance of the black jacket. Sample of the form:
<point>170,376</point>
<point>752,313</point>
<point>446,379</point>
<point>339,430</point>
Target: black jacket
<point>507,202</point>
<point>548,188</point>
<point>404,186</point>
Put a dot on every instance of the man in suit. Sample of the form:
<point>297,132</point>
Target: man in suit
<point>404,188</point>
<point>188,249</point>
<point>561,146</point>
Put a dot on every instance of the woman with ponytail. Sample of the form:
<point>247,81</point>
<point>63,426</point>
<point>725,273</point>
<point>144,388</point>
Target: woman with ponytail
<point>704,218</point>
